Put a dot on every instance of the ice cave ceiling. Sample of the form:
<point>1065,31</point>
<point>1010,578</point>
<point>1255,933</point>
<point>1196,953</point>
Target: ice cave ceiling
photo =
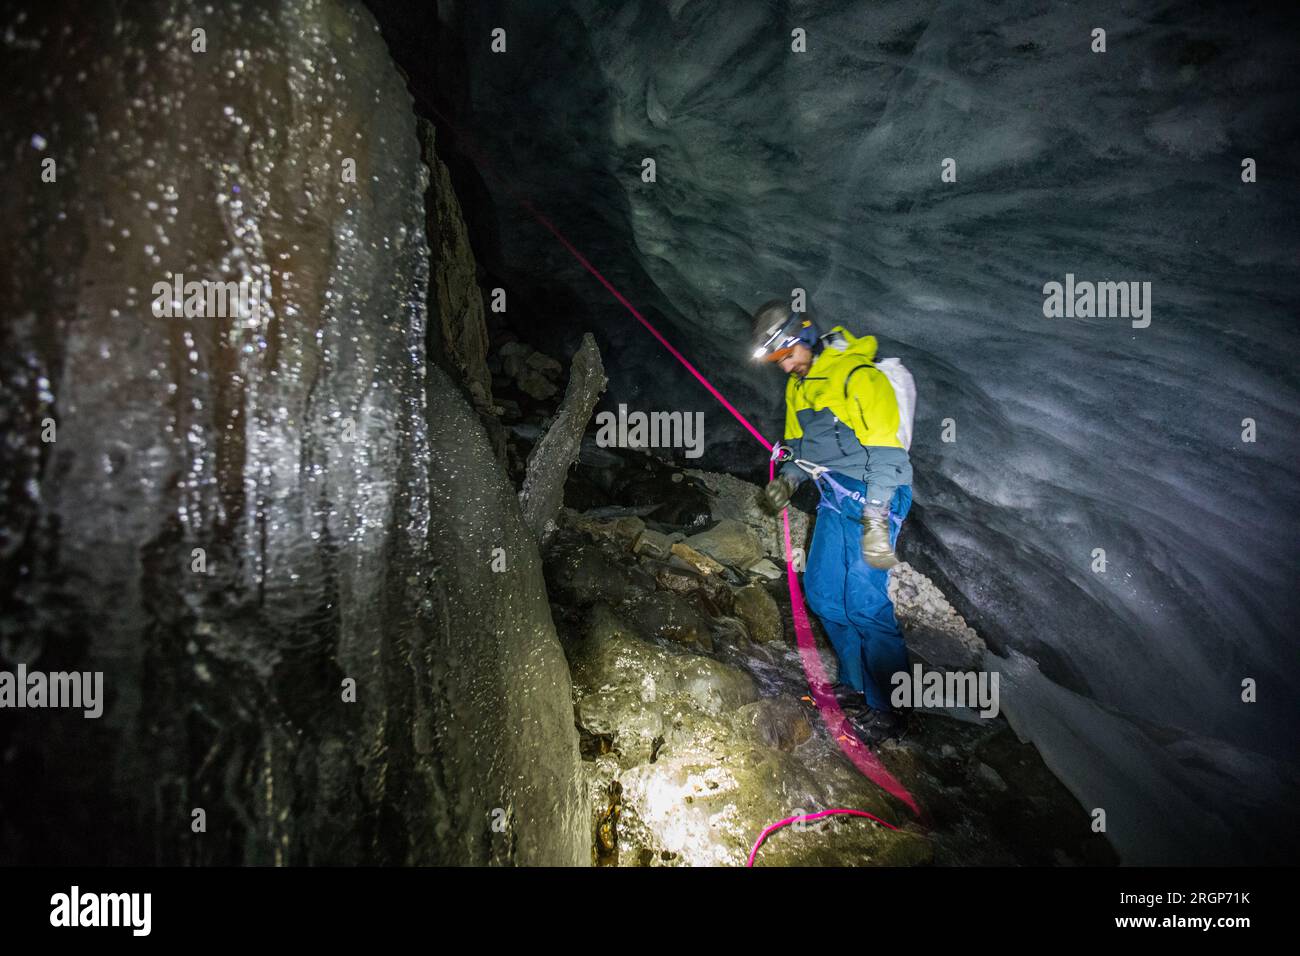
<point>823,170</point>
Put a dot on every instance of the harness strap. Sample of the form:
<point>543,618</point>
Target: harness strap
<point>821,475</point>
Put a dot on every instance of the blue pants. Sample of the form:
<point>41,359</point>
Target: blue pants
<point>851,598</point>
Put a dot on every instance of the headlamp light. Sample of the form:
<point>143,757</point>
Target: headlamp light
<point>777,343</point>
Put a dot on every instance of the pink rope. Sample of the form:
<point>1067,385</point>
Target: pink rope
<point>820,686</point>
<point>836,723</point>
<point>811,816</point>
<point>642,319</point>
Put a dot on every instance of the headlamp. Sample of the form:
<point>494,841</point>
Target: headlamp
<point>778,343</point>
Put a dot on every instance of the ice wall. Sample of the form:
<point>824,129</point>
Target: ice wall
<point>242,517</point>
<point>822,169</point>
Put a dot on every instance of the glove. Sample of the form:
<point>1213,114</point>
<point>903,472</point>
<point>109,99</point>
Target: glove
<point>778,491</point>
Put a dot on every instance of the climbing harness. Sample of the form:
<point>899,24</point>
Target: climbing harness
<point>839,495</point>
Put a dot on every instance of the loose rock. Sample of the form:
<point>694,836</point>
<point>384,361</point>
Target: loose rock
<point>729,541</point>
<point>700,562</point>
<point>653,544</point>
<point>758,610</point>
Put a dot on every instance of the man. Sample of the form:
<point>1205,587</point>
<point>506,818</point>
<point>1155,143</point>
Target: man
<point>843,423</point>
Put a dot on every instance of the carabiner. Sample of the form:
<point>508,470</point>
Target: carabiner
<point>811,468</point>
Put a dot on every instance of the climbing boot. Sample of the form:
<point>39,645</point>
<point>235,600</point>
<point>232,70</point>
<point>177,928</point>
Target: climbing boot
<point>851,702</point>
<point>888,725</point>
<point>876,549</point>
<point>877,726</point>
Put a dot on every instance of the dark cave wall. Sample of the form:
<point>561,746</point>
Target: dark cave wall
<point>345,497</point>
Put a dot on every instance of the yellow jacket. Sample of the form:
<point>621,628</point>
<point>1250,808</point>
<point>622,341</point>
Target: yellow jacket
<point>844,384</point>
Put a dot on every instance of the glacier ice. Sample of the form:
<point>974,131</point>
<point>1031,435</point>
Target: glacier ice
<point>1072,437</point>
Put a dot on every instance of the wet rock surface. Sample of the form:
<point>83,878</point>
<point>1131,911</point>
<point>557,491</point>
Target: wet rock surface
<point>457,329</point>
<point>759,613</point>
<point>243,511</point>
<point>698,727</point>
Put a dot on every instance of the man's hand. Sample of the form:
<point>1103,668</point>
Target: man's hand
<point>778,491</point>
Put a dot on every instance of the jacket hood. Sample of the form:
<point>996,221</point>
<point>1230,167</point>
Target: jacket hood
<point>839,341</point>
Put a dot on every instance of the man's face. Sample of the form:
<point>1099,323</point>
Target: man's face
<point>798,362</point>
